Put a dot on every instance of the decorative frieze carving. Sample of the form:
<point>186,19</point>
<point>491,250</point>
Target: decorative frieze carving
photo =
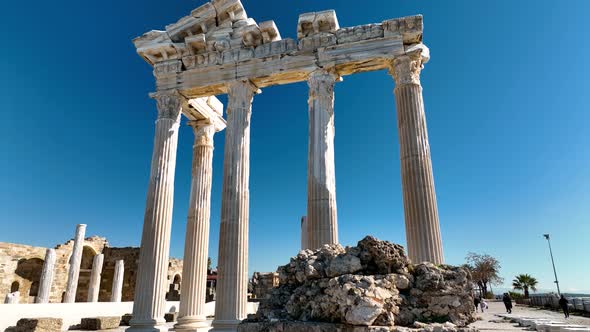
<point>317,22</point>
<point>167,67</point>
<point>358,33</point>
<point>410,28</point>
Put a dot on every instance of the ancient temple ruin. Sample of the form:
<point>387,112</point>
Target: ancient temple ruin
<point>218,49</point>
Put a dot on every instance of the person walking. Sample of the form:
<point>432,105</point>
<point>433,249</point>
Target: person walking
<point>563,303</point>
<point>507,302</point>
<point>483,305</point>
<point>476,301</point>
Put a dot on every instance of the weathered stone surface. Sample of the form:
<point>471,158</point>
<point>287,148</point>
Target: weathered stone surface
<point>293,326</point>
<point>100,323</point>
<point>372,284</point>
<point>44,324</point>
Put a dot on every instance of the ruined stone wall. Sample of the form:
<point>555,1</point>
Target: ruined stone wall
<point>174,279</point>
<point>22,265</point>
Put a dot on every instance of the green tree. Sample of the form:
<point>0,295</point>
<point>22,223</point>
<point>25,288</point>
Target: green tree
<point>524,282</point>
<point>485,270</point>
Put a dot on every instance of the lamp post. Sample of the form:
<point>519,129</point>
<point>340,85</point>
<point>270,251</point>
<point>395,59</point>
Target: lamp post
<point>552,262</point>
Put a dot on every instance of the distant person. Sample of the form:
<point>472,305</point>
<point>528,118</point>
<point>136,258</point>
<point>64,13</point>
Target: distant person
<point>476,301</point>
<point>507,302</point>
<point>563,303</point>
<point>483,305</point>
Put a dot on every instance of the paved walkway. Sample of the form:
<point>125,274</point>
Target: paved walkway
<point>490,322</point>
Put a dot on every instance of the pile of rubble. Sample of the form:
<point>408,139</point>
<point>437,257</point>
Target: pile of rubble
<point>370,287</point>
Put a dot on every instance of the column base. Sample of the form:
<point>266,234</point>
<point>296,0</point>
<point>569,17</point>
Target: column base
<point>229,325</point>
<point>192,323</point>
<point>152,325</point>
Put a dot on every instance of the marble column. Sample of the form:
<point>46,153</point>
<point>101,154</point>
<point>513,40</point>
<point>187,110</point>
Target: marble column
<point>46,277</point>
<point>94,285</point>
<point>117,281</point>
<point>322,220</point>
<point>232,282</point>
<point>191,313</point>
<point>304,235</point>
<point>420,210</point>
<point>150,288</point>
<point>75,260</point>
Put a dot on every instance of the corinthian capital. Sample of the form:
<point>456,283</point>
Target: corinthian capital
<point>321,83</point>
<point>406,69</point>
<point>240,94</point>
<point>169,104</point>
<point>204,131</point>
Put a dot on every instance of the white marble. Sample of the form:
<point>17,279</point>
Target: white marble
<point>75,260</point>
<point>117,289</point>
<point>150,288</point>
<point>94,285</point>
<point>46,277</point>
<point>232,279</point>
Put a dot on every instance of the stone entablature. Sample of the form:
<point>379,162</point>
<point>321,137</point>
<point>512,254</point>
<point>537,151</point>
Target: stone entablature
<point>198,56</point>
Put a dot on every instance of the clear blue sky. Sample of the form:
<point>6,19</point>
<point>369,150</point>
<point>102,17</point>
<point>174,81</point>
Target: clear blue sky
<point>506,95</point>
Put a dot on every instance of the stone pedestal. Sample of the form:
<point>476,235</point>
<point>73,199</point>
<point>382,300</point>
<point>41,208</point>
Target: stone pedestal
<point>420,210</point>
<point>46,277</point>
<point>75,260</point>
<point>194,271</point>
<point>117,289</point>
<point>150,288</point>
<point>232,282</point>
<point>322,220</point>
<point>94,285</point>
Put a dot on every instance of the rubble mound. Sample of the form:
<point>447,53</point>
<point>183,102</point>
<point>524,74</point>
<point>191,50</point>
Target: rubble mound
<point>373,285</point>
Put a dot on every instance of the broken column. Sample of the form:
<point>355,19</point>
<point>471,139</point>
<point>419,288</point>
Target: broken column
<point>94,285</point>
<point>118,281</point>
<point>150,289</point>
<point>232,283</point>
<point>46,277</point>
<point>75,260</point>
<point>420,210</point>
<point>322,220</point>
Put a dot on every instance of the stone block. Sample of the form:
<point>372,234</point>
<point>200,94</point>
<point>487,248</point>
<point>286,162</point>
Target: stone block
<point>171,317</point>
<point>100,323</point>
<point>44,324</point>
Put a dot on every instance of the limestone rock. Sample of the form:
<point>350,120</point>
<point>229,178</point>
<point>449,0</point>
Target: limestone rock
<point>373,285</point>
<point>44,324</point>
<point>100,323</point>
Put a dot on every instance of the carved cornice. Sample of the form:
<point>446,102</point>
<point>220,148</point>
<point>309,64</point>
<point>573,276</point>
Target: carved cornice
<point>170,104</point>
<point>204,131</point>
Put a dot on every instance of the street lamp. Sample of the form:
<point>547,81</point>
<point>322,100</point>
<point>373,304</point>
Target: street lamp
<point>552,262</point>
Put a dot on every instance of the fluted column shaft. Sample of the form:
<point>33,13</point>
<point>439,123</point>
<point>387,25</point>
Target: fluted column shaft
<point>75,260</point>
<point>94,285</point>
<point>232,285</point>
<point>150,288</point>
<point>420,210</point>
<point>117,289</point>
<point>194,269</point>
<point>46,277</point>
<point>322,219</point>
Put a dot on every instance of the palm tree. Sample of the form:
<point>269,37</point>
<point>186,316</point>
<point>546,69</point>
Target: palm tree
<point>525,282</point>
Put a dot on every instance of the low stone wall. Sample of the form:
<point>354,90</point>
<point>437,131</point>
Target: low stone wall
<point>72,313</point>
